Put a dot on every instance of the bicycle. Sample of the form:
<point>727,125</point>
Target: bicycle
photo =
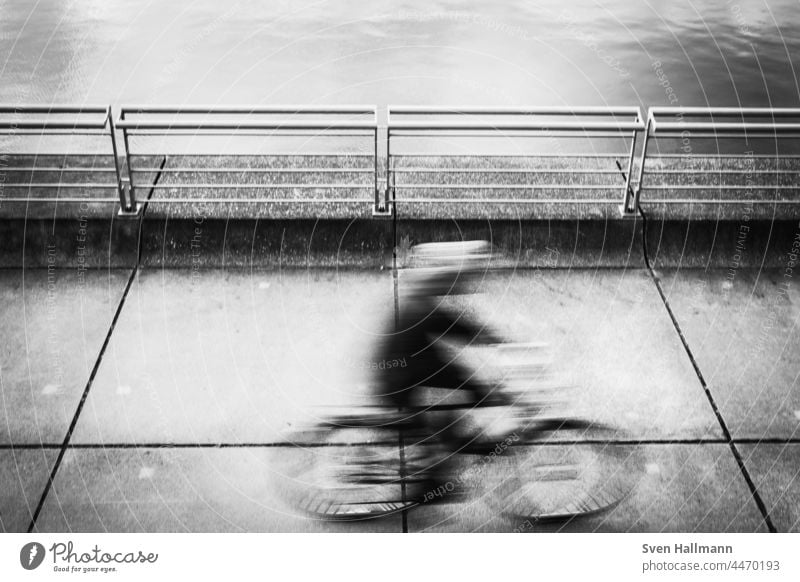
<point>558,467</point>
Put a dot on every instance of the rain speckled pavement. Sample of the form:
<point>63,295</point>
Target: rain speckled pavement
<point>200,374</point>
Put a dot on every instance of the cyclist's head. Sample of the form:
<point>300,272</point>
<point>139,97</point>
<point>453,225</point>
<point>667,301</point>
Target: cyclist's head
<point>447,268</point>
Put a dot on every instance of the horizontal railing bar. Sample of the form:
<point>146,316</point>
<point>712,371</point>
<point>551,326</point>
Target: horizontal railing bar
<point>244,125</point>
<point>695,201</point>
<point>260,171</point>
<point>720,187</point>
<point>690,201</point>
<point>400,170</point>
<point>711,127</point>
<point>53,169</point>
<point>500,171</point>
<point>67,200</point>
<point>52,132</point>
<point>727,111</point>
<point>507,186</point>
<point>651,171</point>
<point>56,108</point>
<point>587,201</point>
<point>490,155</point>
<point>516,126</point>
<point>161,186</point>
<point>250,133</point>
<point>727,135</point>
<point>425,110</point>
<point>247,109</point>
<point>527,134</point>
<point>727,156</point>
<point>509,200</point>
<point>365,200</point>
<point>194,200</point>
<point>581,171</point>
<point>277,155</point>
<point>70,185</point>
<point>774,137</point>
<point>46,124</point>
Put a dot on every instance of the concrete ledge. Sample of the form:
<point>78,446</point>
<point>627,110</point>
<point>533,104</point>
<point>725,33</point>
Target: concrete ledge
<point>372,243</point>
<point>720,243</point>
<point>204,243</point>
<point>80,243</point>
<point>536,243</point>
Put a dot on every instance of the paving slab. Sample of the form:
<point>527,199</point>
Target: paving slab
<point>23,475</point>
<point>775,469</point>
<point>682,488</point>
<point>610,337</point>
<point>742,327</point>
<point>184,490</point>
<point>54,323</point>
<point>216,356</point>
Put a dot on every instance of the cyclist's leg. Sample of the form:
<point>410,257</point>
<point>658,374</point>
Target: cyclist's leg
<point>456,377</point>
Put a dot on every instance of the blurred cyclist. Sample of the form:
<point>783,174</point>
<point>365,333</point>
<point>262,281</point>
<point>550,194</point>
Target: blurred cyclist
<point>425,329</point>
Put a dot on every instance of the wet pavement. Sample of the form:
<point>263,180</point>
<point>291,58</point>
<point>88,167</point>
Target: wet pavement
<point>742,327</point>
<point>684,488</point>
<point>233,356</point>
<point>196,381</point>
<point>54,323</point>
<point>183,489</point>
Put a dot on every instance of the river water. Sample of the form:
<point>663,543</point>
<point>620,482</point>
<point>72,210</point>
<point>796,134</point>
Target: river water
<point>432,52</point>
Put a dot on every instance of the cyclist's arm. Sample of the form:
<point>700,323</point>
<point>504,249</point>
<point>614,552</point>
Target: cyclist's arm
<point>466,329</point>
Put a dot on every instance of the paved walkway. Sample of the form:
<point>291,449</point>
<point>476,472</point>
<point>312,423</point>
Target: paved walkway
<point>160,400</point>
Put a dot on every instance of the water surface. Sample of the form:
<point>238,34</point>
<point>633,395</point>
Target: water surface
<point>513,52</point>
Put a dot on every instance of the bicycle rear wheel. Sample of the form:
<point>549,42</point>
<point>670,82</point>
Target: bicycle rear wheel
<point>342,479</point>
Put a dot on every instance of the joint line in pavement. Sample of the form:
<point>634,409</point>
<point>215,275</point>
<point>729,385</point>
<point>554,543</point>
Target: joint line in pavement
<point>723,425</point>
<point>65,445</point>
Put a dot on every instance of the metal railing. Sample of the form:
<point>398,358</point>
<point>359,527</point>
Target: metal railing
<point>485,178</point>
<point>720,123</point>
<point>587,123</point>
<point>264,122</point>
<point>71,120</point>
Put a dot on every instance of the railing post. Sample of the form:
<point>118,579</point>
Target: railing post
<point>377,207</point>
<point>638,191</point>
<point>628,204</point>
<point>128,207</point>
<point>133,208</point>
<point>390,192</point>
<point>123,204</point>
<point>383,207</point>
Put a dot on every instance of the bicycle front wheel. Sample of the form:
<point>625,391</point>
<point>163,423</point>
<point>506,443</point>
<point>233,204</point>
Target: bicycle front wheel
<point>576,472</point>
